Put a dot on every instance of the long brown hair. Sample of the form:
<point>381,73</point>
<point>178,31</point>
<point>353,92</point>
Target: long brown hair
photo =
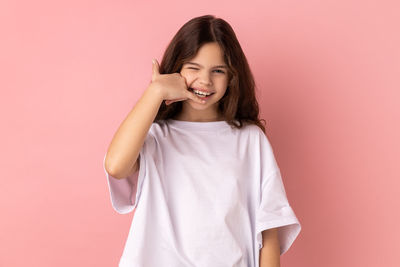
<point>239,104</point>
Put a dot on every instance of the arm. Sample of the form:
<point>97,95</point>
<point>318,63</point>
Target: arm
<point>270,252</point>
<point>122,155</point>
<point>123,152</point>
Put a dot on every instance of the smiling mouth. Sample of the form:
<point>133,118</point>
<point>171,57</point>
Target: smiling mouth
<point>203,96</point>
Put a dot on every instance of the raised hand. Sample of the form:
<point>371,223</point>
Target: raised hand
<point>173,86</point>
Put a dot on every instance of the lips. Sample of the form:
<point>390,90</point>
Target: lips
<point>201,96</point>
<point>201,90</point>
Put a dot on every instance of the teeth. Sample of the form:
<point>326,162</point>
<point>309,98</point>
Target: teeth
<point>201,93</point>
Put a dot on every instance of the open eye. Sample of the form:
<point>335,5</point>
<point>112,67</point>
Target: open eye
<point>221,71</point>
<point>218,71</point>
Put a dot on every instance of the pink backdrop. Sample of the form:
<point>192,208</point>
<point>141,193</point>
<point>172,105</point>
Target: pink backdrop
<point>328,78</point>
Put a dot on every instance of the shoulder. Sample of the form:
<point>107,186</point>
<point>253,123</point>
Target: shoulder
<point>258,136</point>
<point>252,129</point>
<point>154,136</point>
<point>158,128</point>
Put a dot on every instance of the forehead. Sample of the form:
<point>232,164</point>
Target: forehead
<point>201,66</point>
<point>209,55</point>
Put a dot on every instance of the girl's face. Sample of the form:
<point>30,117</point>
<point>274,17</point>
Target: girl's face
<point>205,72</point>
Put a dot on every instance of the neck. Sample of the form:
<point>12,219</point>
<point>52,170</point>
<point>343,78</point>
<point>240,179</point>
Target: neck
<point>198,118</point>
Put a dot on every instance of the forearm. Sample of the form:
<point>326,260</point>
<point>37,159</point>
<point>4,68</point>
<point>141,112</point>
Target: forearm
<point>129,138</point>
<point>270,252</point>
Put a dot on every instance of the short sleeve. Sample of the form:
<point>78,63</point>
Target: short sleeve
<point>274,209</point>
<point>125,193</point>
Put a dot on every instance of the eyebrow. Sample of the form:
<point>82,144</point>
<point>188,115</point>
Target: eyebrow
<point>197,64</point>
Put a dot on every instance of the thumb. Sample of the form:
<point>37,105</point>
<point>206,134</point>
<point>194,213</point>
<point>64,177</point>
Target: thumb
<point>156,69</point>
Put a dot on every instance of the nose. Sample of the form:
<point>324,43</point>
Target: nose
<point>205,78</point>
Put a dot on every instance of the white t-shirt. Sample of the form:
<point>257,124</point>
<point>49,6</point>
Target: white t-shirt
<point>203,194</point>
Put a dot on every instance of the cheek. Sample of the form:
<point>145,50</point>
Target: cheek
<point>189,78</point>
<point>223,82</point>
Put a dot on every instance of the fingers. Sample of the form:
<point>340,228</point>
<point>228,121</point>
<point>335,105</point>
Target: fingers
<point>195,98</point>
<point>156,69</point>
<point>168,102</point>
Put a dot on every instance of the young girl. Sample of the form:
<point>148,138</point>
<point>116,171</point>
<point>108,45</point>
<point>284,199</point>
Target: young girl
<point>193,160</point>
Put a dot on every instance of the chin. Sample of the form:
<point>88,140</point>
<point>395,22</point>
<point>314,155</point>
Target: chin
<point>199,106</point>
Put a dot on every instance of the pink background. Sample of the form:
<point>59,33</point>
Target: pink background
<point>328,78</point>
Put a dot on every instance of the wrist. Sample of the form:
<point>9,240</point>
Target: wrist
<point>155,91</point>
